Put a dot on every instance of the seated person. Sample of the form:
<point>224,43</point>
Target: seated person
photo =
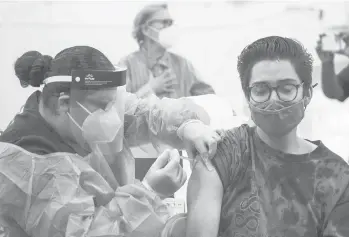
<point>267,180</point>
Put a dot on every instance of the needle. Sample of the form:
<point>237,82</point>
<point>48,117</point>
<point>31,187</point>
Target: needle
<point>208,166</point>
<point>186,158</point>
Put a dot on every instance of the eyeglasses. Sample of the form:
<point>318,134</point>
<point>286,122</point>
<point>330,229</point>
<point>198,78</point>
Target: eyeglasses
<point>164,22</point>
<point>261,92</point>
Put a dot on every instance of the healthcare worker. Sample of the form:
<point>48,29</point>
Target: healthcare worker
<point>84,119</point>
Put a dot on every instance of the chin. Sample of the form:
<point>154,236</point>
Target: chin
<point>274,134</point>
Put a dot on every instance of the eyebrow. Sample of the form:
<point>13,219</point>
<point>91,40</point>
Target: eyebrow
<point>281,80</point>
<point>288,80</point>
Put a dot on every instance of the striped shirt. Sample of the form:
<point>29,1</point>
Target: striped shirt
<point>140,70</point>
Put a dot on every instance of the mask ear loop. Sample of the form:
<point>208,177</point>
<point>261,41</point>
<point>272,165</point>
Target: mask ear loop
<point>83,107</point>
<point>308,98</point>
<point>74,121</point>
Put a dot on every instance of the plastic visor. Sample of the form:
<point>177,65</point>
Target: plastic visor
<point>97,105</point>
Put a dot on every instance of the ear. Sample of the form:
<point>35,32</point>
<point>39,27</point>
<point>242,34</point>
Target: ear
<point>145,29</point>
<point>63,103</point>
<point>308,98</point>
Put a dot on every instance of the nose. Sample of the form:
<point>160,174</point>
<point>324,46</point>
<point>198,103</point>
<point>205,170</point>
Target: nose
<point>274,95</point>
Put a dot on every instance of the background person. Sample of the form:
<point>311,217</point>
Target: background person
<point>153,69</point>
<point>334,86</point>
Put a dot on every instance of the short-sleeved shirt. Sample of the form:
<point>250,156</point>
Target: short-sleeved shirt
<point>268,193</point>
<point>343,78</point>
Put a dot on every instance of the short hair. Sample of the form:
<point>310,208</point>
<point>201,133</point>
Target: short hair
<point>142,17</point>
<point>34,69</point>
<point>275,48</point>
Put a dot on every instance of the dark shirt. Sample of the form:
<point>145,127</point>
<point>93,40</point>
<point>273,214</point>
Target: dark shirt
<point>30,131</point>
<point>268,193</point>
<point>343,79</point>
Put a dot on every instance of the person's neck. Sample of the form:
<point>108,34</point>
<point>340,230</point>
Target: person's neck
<point>153,50</point>
<point>289,143</point>
<point>47,117</point>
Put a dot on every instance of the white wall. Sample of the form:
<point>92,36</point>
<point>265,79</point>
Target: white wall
<point>212,37</point>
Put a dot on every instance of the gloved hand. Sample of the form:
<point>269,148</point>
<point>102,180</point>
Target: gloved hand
<point>166,175</point>
<point>200,141</point>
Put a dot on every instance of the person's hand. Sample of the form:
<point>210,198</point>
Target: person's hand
<point>345,39</point>
<point>166,175</point>
<point>325,56</point>
<point>200,141</point>
<point>163,83</point>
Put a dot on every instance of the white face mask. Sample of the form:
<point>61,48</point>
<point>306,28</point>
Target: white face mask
<point>166,37</point>
<point>102,127</point>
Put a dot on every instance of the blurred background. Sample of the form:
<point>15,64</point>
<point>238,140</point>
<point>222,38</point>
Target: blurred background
<point>212,36</point>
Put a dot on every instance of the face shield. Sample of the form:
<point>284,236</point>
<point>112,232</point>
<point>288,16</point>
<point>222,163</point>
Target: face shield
<point>97,108</point>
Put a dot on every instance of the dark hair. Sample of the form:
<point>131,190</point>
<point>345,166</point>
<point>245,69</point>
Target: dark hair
<point>142,17</point>
<point>78,57</point>
<point>275,48</point>
<point>31,67</point>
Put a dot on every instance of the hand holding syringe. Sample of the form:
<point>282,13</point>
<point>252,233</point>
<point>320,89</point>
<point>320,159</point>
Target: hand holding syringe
<point>202,158</point>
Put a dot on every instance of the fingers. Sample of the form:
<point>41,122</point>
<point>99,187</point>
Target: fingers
<point>170,81</point>
<point>182,177</point>
<point>168,89</point>
<point>173,162</point>
<point>167,75</point>
<point>212,148</point>
<point>162,160</point>
<point>213,145</point>
<point>174,167</point>
<point>201,147</point>
<point>179,176</point>
<point>216,136</point>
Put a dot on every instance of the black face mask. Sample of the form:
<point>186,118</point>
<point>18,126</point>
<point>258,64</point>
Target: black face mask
<point>277,120</point>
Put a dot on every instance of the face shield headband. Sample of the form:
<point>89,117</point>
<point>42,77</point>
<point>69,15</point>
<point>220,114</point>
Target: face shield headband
<point>97,107</point>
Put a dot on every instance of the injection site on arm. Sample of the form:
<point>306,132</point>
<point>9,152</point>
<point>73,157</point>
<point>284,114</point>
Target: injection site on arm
<point>204,196</point>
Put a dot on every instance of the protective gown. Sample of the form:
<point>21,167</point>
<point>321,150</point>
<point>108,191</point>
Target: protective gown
<point>64,194</point>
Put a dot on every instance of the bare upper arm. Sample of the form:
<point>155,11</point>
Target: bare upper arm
<point>204,196</point>
<point>203,181</point>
